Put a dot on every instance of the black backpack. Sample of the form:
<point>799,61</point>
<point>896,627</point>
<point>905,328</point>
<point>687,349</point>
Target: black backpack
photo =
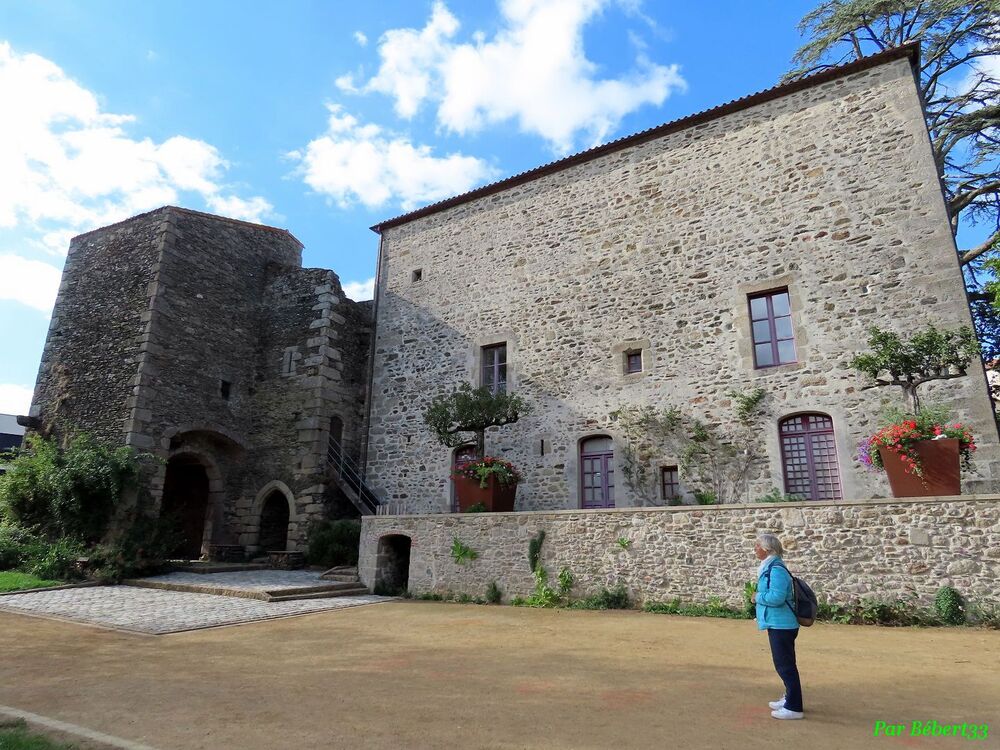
<point>806,604</point>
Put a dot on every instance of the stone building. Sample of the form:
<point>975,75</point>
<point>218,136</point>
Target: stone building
<point>202,340</point>
<point>750,245</point>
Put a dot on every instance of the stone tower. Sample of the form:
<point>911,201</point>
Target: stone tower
<point>202,340</point>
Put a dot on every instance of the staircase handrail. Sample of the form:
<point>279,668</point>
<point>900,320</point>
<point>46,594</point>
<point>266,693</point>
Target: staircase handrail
<point>350,472</point>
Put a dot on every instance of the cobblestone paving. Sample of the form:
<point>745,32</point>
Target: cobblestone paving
<point>158,612</point>
<point>246,580</point>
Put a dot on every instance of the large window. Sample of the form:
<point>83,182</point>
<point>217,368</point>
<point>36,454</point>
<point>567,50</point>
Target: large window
<point>597,473</point>
<point>494,373</point>
<point>809,456</point>
<point>771,322</point>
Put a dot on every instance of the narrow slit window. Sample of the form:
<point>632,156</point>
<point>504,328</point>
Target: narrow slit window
<point>670,483</point>
<point>225,389</point>
<point>417,275</point>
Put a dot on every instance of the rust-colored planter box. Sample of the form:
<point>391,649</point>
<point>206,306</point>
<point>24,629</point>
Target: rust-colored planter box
<point>942,470</point>
<point>498,498</point>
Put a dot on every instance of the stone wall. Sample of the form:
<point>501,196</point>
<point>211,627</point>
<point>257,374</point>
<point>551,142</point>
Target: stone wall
<point>846,550</point>
<point>91,354</point>
<point>830,191</point>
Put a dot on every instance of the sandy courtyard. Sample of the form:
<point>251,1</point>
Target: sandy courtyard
<point>429,675</point>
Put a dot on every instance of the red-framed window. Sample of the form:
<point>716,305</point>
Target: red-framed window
<point>670,484</point>
<point>809,457</point>
<point>771,326</point>
<point>494,371</point>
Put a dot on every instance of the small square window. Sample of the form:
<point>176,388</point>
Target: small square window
<point>417,275</point>
<point>633,361</point>
<point>225,388</point>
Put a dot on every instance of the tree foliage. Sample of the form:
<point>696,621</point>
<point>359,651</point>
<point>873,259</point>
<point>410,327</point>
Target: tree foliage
<point>472,410</point>
<point>959,42</point>
<point>927,355</point>
<point>67,492</point>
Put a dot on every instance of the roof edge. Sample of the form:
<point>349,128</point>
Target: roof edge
<point>910,50</point>
<point>192,212</point>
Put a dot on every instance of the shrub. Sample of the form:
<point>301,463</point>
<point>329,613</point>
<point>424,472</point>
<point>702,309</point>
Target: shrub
<point>715,607</point>
<point>142,549</point>
<point>333,543</point>
<point>566,581</point>
<point>67,492</point>
<point>535,549</point>
<point>55,560</point>
<point>616,598</point>
<point>460,552</point>
<point>543,595</point>
<point>15,544</point>
<point>493,593</point>
<point>704,498</point>
<point>777,496</point>
<point>986,614</point>
<point>949,606</point>
<point>476,508</point>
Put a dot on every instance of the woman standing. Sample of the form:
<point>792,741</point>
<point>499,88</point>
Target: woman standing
<point>775,599</point>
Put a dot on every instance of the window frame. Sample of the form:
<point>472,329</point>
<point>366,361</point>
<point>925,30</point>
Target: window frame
<point>664,471</point>
<point>628,354</point>
<point>492,364</point>
<point>768,296</point>
<point>813,462</point>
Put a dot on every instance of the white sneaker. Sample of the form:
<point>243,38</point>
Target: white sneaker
<point>784,713</point>
<point>775,705</point>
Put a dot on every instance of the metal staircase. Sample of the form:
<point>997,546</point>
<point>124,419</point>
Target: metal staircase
<point>346,472</point>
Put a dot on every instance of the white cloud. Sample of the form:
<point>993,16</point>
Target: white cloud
<point>29,282</point>
<point>353,162</point>
<point>360,290</point>
<point>66,166</point>
<point>534,72</point>
<point>254,209</point>
<point>14,399</point>
<point>360,38</point>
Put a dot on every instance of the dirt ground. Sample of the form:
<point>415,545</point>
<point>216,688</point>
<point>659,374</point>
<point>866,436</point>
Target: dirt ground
<point>431,675</point>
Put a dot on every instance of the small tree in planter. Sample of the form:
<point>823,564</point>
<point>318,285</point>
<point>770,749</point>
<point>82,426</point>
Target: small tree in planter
<point>920,452</point>
<point>465,410</point>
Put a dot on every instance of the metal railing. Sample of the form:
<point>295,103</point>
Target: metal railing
<point>347,469</point>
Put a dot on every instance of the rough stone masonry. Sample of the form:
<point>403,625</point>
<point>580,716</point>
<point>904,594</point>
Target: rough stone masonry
<point>653,244</point>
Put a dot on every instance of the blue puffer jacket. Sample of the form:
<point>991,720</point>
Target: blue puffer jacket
<point>775,601</point>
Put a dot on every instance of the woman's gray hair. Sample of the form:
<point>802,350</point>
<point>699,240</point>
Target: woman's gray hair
<point>770,544</point>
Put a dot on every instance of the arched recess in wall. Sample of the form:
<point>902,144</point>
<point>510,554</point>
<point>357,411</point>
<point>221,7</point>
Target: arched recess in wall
<point>273,513</point>
<point>186,501</point>
<point>809,460</point>
<point>597,471</point>
<point>392,565</point>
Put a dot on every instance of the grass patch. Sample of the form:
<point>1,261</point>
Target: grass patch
<point>11,580</point>
<point>19,738</point>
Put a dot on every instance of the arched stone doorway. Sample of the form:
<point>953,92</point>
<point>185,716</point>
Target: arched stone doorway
<point>274,523</point>
<point>185,503</point>
<point>392,566</point>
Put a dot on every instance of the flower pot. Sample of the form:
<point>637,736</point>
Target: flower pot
<point>498,498</point>
<point>940,462</point>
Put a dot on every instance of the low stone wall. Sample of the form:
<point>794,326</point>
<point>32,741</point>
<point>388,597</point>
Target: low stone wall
<point>846,550</point>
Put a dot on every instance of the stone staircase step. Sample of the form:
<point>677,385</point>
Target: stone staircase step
<point>347,573</point>
<point>291,597</point>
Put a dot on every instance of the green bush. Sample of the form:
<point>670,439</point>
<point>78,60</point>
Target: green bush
<point>460,551</point>
<point>713,608</point>
<point>333,543</point>
<point>142,549</point>
<point>493,593</point>
<point>877,611</point>
<point>28,552</point>
<point>704,498</point>
<point>985,614</point>
<point>949,606</point>
<point>476,508</point>
<point>616,598</point>
<point>67,492</point>
<point>15,546</point>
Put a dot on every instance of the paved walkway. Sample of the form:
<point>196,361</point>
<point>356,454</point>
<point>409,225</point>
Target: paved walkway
<point>156,612</point>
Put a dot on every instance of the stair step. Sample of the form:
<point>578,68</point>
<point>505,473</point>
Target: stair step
<point>346,573</point>
<point>350,591</point>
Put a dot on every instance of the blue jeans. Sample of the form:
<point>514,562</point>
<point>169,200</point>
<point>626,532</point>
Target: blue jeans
<point>783,652</point>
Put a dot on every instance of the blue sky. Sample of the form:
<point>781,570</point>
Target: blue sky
<point>325,117</point>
